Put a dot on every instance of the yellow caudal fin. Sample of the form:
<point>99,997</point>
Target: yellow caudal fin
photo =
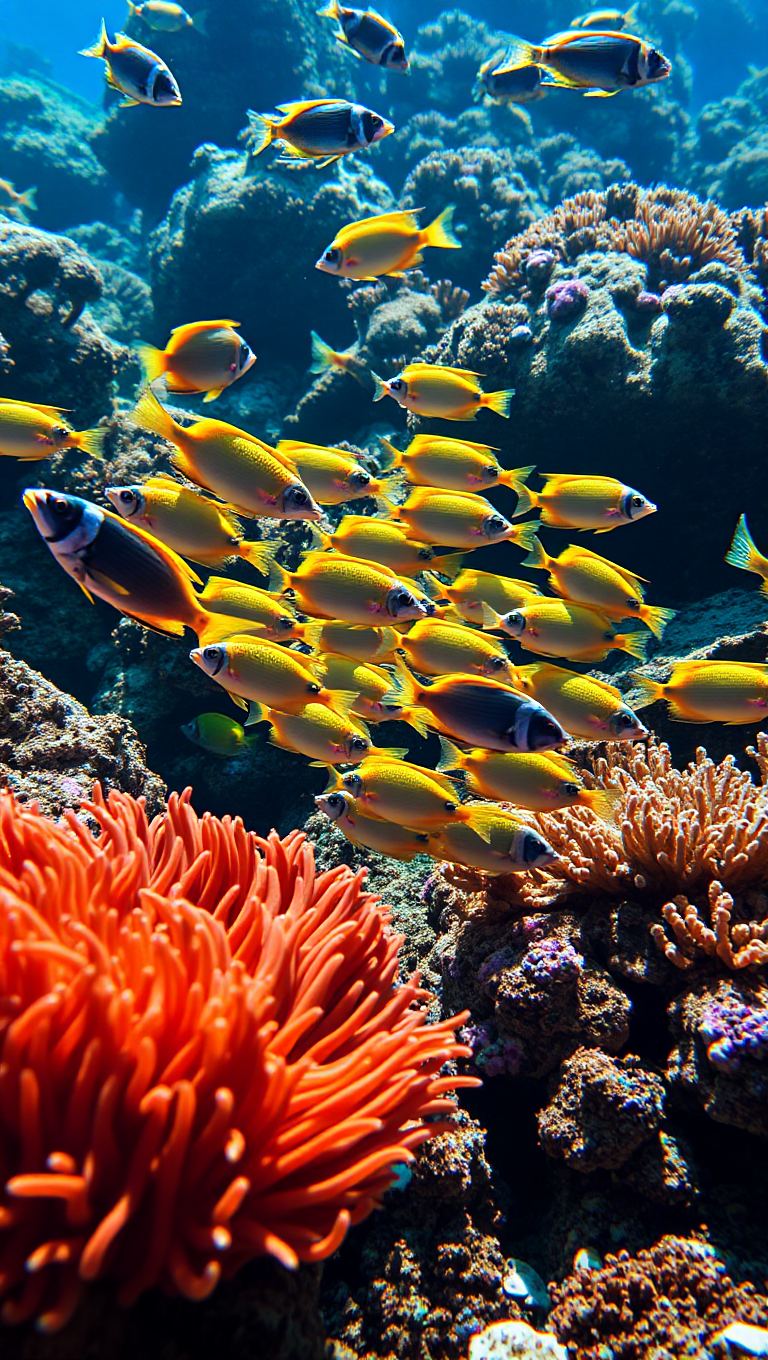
<point>519,53</point>
<point>279,579</point>
<point>200,22</point>
<point>27,200</point>
<point>656,619</point>
<point>515,478</point>
<point>525,535</point>
<point>329,11</point>
<point>213,394</point>
<point>334,781</point>
<point>491,620</point>
<point>417,718</point>
<point>405,689</point>
<point>92,441</point>
<point>526,499</point>
<point>743,553</point>
<point>636,644</point>
<point>150,415</point>
<point>449,566</point>
<point>322,355</point>
<point>261,133</point>
<point>630,16</point>
<point>320,541</point>
<point>310,633</point>
<point>433,589</point>
<point>381,389</point>
<point>260,555</point>
<point>499,402</point>
<point>391,459</point>
<point>99,48</point>
<point>603,802</point>
<point>386,507</point>
<point>650,690</point>
<point>152,361</point>
<point>440,232</point>
<point>451,758</point>
<point>256,713</point>
<point>537,557</point>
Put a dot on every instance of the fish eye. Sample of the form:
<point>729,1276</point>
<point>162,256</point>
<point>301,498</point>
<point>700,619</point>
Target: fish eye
<point>358,744</point>
<point>632,603</point>
<point>359,477</point>
<point>450,807</point>
<point>245,354</point>
<point>397,384</point>
<point>624,720</point>
<point>491,473</point>
<point>285,624</point>
<point>211,653</point>
<point>404,598</point>
<point>335,800</point>
<point>496,524</point>
<point>313,688</point>
<point>59,431</point>
<point>127,497</point>
<point>637,501</point>
<point>533,847</point>
<point>298,495</point>
<point>498,663</point>
<point>572,790</point>
<point>59,506</point>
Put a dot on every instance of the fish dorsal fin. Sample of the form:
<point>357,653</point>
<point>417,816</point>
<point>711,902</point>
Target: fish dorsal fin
<point>291,446</point>
<point>443,368</point>
<point>629,576</point>
<point>405,217</point>
<point>194,327</point>
<point>437,778</point>
<point>423,441</point>
<point>304,105</point>
<point>35,406</point>
<point>562,763</point>
<point>163,479</point>
<point>161,549</point>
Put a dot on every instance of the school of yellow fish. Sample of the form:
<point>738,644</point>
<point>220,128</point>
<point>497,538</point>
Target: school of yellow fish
<point>386,619</point>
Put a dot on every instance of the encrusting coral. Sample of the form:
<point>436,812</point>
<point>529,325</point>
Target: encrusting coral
<point>203,1053</point>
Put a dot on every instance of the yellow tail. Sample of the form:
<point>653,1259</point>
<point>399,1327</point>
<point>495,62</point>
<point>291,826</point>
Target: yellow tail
<point>525,535</point>
<point>323,355</point>
<point>743,553</point>
<point>329,11</point>
<point>636,644</point>
<point>449,566</point>
<point>417,718</point>
<point>515,479</point>
<point>27,200</point>
<point>603,802</point>
<point>152,416</point>
<point>405,685</point>
<point>537,557</point>
<point>279,579</point>
<point>650,690</point>
<point>656,619</point>
<point>499,402</point>
<point>392,457</point>
<point>92,441</point>
<point>152,361</point>
<point>260,555</point>
<point>451,758</point>
<point>440,232</point>
<point>519,53</point>
<point>262,132</point>
<point>100,46</point>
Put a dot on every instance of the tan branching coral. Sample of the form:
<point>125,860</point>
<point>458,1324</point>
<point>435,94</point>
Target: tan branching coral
<point>737,946</point>
<point>751,228</point>
<point>671,231</point>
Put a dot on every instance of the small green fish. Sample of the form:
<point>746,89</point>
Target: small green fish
<point>217,734</point>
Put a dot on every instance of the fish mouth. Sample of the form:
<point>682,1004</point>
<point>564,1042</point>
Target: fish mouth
<point>384,130</point>
<point>30,499</point>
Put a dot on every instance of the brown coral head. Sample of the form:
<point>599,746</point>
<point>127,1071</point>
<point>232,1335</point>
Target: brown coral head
<point>203,1053</point>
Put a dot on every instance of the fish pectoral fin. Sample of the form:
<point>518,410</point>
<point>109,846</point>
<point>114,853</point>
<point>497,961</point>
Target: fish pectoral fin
<point>161,626</point>
<point>107,581</point>
<point>127,103</point>
<point>600,94</point>
<point>241,703</point>
<point>213,394</point>
<point>344,42</point>
<point>86,591</point>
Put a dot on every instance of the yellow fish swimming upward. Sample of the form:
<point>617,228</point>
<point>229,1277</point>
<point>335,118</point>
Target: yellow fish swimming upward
<point>389,243</point>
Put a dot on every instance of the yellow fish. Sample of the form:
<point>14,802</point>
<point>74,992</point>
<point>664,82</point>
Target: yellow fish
<point>389,243</point>
<point>361,678</point>
<point>167,17</point>
<point>572,501</point>
<point>205,356</point>
<point>434,390</point>
<point>319,130</point>
<point>712,691</point>
<point>328,736</point>
<point>397,791</point>
<point>139,74</point>
<point>121,564</point>
<point>14,204</point>
<point>365,35</point>
<point>473,589</point>
<point>385,837</point>
<point>217,734</point>
<point>358,641</point>
<point>441,648</point>
<point>543,783</point>
<point>386,542</point>
<point>559,628</point>
<point>251,669</point>
<point>29,432</point>
<point>600,63</point>
<point>331,474</point>
<point>743,553</point>
<point>457,519</point>
<point>485,713</point>
<point>612,19</point>
<point>453,464</point>
<point>330,586</point>
<point>586,707</point>
<point>497,843</point>
<point>188,523</point>
<point>582,575</point>
<point>239,608</point>
<point>235,466</point>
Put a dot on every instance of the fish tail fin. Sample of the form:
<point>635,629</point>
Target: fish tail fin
<point>419,719</point>
<point>342,701</point>
<point>200,22</point>
<point>279,579</point>
<point>260,555</point>
<point>656,618</point>
<point>451,758</point>
<point>537,557</point>
<point>525,534</point>
<point>261,134</point>
<point>256,713</point>
<point>392,458</point>
<point>99,47</point>
<point>310,633</point>
<point>491,620</point>
<point>380,386</point>
<point>515,479</point>
<point>152,361</point>
<point>28,200</point>
<point>150,415</point>
<point>405,688</point>
<point>92,441</point>
<point>526,499</point>
<point>440,232</point>
<point>323,355</point>
<point>132,9</point>
<point>334,780</point>
<point>480,819</point>
<point>432,588</point>
<point>630,16</point>
<point>650,690</point>
<point>329,11</point>
<point>603,802</point>
<point>743,552</point>
<point>450,565</point>
<point>385,506</point>
<point>499,402</point>
<point>519,53</point>
<point>636,644</point>
<point>320,541</point>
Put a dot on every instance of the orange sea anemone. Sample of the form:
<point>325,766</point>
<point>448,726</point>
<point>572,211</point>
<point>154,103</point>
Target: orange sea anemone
<point>204,1054</point>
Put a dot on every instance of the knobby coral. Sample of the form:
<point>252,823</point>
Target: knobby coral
<point>204,1055</point>
<point>670,230</point>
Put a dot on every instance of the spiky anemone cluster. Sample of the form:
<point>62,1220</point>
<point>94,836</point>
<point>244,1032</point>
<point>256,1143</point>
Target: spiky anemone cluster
<point>204,1055</point>
<point>699,833</point>
<point>670,230</point>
